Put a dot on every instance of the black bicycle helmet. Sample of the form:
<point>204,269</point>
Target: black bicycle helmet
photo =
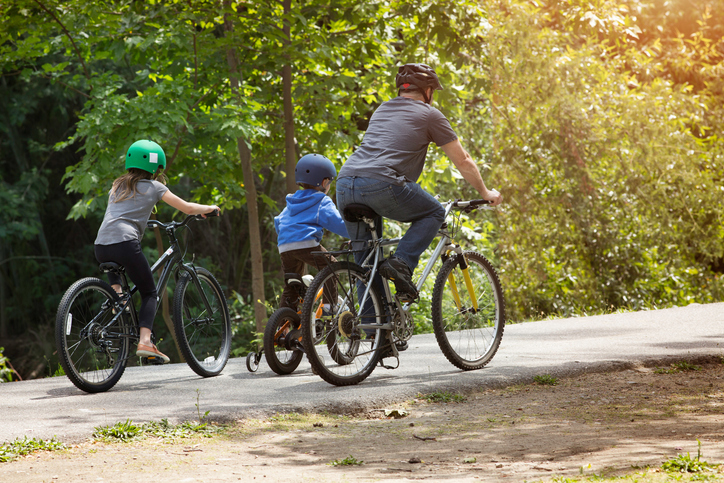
<point>312,169</point>
<point>417,77</point>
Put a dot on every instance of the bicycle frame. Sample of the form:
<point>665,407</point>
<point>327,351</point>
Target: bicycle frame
<point>443,248</point>
<point>171,260</point>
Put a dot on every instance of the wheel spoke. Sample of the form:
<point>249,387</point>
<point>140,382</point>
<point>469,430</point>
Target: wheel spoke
<point>204,336</point>
<point>469,338</point>
<point>87,353</point>
<point>346,354</point>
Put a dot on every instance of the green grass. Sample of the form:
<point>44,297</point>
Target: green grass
<point>442,397</point>
<point>128,431</point>
<point>25,446</point>
<point>677,367</point>
<point>348,461</point>
<point>545,380</point>
<point>687,464</point>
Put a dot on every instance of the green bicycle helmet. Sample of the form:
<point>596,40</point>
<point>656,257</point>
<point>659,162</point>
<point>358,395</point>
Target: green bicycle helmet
<point>146,155</point>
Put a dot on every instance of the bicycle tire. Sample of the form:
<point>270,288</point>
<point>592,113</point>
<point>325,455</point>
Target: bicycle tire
<point>280,358</point>
<point>93,358</point>
<point>204,339</point>
<point>354,353</point>
<point>469,338</point>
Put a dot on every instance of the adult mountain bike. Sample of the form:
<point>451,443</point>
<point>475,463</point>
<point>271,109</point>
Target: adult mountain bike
<point>371,324</point>
<point>95,327</point>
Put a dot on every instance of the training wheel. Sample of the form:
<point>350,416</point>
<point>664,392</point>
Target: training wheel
<point>252,362</point>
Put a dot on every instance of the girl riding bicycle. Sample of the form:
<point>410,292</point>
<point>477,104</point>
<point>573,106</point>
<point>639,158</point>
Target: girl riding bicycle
<point>130,201</point>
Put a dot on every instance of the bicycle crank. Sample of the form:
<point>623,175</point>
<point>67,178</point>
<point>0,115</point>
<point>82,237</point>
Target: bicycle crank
<point>292,340</point>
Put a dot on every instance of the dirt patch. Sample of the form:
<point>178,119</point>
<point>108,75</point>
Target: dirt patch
<point>612,424</point>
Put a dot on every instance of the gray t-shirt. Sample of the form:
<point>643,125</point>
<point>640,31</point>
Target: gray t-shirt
<point>126,220</point>
<point>395,144</point>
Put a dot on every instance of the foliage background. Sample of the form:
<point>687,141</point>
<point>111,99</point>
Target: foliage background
<point>599,121</point>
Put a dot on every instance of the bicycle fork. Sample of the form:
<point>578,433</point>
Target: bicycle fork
<point>468,282</point>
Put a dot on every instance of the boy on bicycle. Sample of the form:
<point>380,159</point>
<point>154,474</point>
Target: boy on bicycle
<point>301,224</point>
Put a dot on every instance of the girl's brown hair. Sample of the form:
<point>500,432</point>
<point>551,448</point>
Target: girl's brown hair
<point>125,186</point>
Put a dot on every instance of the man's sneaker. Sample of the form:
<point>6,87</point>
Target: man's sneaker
<point>396,270</point>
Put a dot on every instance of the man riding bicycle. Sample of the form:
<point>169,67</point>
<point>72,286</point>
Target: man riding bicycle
<point>383,172</point>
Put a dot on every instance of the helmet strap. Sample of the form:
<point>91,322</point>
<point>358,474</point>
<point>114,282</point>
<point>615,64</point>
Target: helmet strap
<point>427,99</point>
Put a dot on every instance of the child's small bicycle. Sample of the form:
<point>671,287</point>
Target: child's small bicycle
<point>282,343</point>
<point>94,326</point>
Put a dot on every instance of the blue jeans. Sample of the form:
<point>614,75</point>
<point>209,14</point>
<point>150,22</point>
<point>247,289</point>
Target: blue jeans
<point>408,203</point>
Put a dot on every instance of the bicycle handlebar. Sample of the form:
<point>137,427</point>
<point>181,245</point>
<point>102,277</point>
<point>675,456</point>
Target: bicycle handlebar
<point>176,224</point>
<point>471,205</point>
<point>465,204</point>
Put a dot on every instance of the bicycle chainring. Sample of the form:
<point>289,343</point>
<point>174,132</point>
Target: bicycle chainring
<point>403,325</point>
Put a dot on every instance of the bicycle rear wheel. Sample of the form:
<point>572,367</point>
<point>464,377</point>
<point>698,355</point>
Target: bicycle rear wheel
<point>344,353</point>
<point>93,349</point>
<point>469,336</point>
<point>281,352</point>
<point>203,335</point>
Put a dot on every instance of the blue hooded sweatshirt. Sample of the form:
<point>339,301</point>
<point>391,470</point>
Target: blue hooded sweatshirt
<point>301,223</point>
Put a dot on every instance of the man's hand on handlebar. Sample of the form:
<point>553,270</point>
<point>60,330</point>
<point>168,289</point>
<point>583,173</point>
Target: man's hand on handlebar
<point>494,197</point>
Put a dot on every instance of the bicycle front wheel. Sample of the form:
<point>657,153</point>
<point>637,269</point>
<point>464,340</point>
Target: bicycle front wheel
<point>202,323</point>
<point>468,319</point>
<point>92,346</point>
<point>281,339</point>
<point>342,341</point>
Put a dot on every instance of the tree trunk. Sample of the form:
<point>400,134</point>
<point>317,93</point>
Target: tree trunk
<point>3,317</point>
<point>289,141</point>
<point>257,264</point>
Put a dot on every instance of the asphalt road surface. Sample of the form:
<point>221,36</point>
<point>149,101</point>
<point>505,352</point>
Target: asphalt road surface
<point>54,407</point>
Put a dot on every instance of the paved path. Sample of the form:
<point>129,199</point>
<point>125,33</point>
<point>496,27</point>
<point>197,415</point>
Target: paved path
<point>562,347</point>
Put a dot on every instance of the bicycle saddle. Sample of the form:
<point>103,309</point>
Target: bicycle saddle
<point>355,212</point>
<point>292,279</point>
<point>106,267</point>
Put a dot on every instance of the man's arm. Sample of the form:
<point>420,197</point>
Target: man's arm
<point>467,167</point>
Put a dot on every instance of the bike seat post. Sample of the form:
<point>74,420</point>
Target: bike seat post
<point>373,227</point>
<point>112,267</point>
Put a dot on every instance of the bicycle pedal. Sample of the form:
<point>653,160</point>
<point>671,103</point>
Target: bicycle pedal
<point>153,360</point>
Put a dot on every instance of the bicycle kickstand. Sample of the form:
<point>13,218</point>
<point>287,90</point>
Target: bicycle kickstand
<point>388,353</point>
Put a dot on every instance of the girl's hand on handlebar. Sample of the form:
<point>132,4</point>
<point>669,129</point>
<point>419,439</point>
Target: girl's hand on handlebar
<point>213,211</point>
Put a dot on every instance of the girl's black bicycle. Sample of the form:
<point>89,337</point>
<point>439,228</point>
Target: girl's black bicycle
<point>95,327</point>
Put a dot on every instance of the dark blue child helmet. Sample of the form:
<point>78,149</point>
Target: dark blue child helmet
<point>312,169</point>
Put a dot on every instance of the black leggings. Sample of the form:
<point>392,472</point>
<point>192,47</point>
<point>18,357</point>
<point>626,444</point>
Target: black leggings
<point>129,255</point>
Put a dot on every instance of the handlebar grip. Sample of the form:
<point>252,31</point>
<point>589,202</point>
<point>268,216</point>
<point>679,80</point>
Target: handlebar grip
<point>206,215</point>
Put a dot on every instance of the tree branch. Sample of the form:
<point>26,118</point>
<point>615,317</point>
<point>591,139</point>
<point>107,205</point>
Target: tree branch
<point>75,47</point>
